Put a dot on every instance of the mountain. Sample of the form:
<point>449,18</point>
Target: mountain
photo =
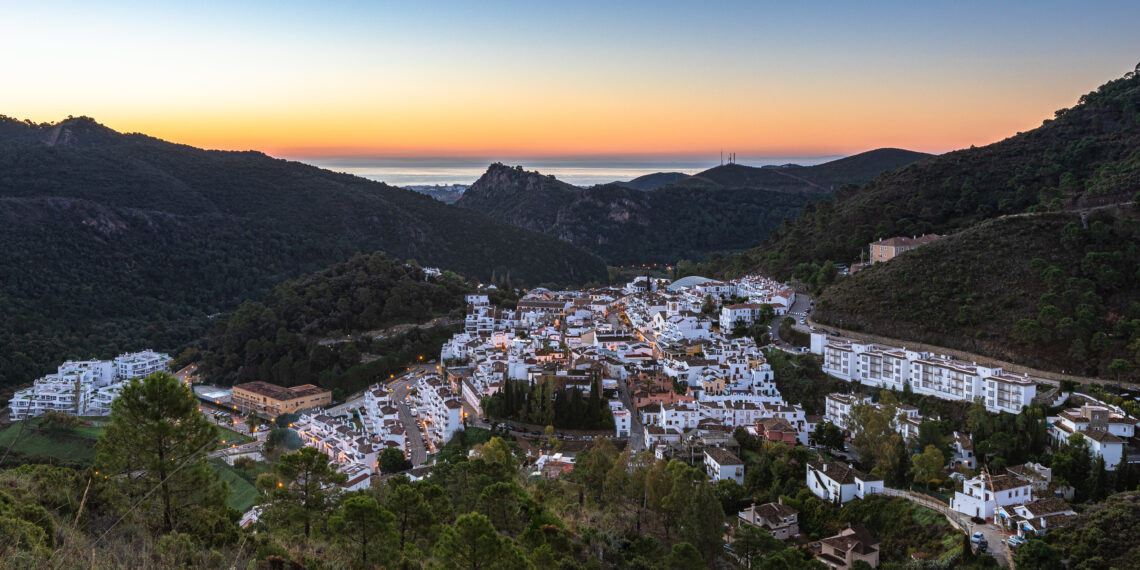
<point>857,169</point>
<point>724,209</point>
<point>116,241</point>
<point>1085,156</point>
<point>652,181</point>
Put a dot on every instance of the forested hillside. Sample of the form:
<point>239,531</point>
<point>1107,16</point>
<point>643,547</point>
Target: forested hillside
<point>1084,156</point>
<point>304,331</point>
<point>116,242</point>
<point>724,209</point>
<point>1039,289</point>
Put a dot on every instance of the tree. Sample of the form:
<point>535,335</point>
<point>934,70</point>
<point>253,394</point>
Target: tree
<point>829,436</point>
<point>392,460</point>
<point>155,445</point>
<point>928,465</point>
<point>471,543</point>
<point>751,540</point>
<point>1119,366</point>
<point>308,487</point>
<point>1036,553</point>
<point>363,521</point>
<point>504,505</point>
<point>684,556</point>
<point>413,515</point>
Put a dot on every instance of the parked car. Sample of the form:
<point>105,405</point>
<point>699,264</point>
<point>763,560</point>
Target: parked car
<point>1015,541</point>
<point>978,537</point>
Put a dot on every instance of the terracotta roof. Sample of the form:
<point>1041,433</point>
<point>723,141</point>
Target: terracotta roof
<point>1101,436</point>
<point>840,473</point>
<point>280,392</point>
<point>1005,482</point>
<point>774,511</point>
<point>855,539</point>
<point>723,456</point>
<point>1048,506</point>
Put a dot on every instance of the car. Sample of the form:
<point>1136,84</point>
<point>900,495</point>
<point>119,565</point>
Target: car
<point>1015,541</point>
<point>978,537</point>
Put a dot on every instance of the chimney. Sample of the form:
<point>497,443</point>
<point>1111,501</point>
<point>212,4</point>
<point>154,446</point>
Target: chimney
<point>825,467</point>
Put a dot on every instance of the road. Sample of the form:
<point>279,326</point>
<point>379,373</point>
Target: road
<point>797,311</point>
<point>636,431</point>
<point>413,430</point>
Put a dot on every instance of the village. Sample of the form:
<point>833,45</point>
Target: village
<point>678,371</point>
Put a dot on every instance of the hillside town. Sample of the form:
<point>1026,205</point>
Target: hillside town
<point>677,369</point>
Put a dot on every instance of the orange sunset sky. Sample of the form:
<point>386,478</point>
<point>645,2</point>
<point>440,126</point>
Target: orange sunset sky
<point>544,79</point>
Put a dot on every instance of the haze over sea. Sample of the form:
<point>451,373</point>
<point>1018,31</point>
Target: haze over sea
<point>574,170</point>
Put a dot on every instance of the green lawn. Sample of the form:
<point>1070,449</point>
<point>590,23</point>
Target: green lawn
<point>77,444</point>
<point>231,437</point>
<point>242,493</point>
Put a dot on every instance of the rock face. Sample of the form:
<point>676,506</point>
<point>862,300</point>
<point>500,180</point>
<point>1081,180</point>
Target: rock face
<point>730,207</point>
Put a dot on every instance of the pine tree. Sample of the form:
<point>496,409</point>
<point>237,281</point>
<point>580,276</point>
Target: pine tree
<point>155,445</point>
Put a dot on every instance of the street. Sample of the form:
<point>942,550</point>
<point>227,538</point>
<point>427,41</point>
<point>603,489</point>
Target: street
<point>413,432</point>
<point>797,311</point>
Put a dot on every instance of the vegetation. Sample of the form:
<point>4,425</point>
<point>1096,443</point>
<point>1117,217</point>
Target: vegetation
<point>542,403</point>
<point>801,380</point>
<point>116,242</point>
<point>1102,537</point>
<point>727,208</point>
<point>302,332</point>
<point>156,443</point>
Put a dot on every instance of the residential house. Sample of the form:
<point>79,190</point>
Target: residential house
<point>981,496</point>
<point>842,551</point>
<point>721,464</point>
<point>1104,428</point>
<point>832,481</point>
<point>780,520</point>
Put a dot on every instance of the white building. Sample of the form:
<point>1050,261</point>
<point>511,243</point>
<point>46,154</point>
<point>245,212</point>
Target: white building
<point>939,376</point>
<point>1105,429</point>
<point>84,388</point>
<point>981,495</point>
<point>139,364</point>
<point>840,483</point>
<point>622,421</point>
<point>837,408</point>
<point>721,464</point>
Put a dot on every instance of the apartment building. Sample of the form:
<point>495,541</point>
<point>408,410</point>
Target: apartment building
<point>84,388</point>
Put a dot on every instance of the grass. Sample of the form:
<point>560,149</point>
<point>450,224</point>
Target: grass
<point>231,437</point>
<point>242,493</point>
<point>76,444</point>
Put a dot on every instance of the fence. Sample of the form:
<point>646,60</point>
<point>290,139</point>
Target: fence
<point>960,521</point>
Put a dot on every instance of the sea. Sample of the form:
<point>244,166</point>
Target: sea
<point>578,171</point>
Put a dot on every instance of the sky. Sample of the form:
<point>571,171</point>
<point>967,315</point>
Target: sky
<point>410,78</point>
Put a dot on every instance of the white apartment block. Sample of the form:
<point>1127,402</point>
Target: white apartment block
<point>83,388</point>
<point>837,408</point>
<point>938,376</point>
<point>339,440</point>
<point>442,410</point>
<point>139,364</point>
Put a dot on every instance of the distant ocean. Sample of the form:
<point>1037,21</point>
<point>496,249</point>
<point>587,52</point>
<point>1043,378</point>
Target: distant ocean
<point>577,171</point>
